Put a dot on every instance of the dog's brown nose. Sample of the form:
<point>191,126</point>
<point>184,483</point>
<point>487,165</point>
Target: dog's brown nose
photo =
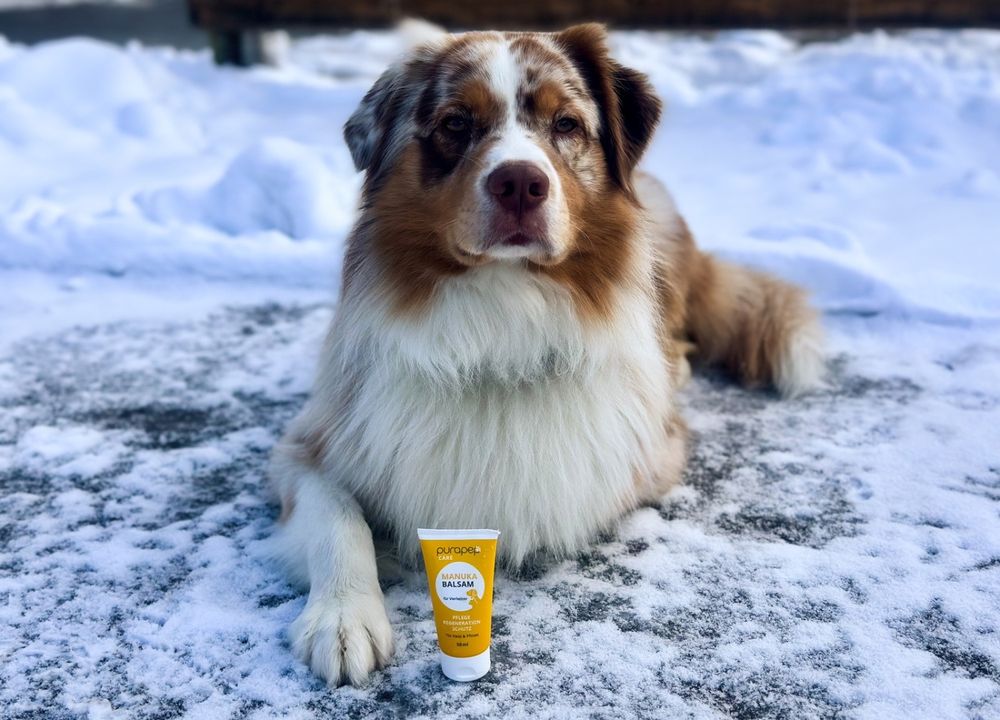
<point>518,187</point>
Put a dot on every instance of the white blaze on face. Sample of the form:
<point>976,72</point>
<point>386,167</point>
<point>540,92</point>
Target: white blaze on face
<point>517,144</point>
<point>506,77</point>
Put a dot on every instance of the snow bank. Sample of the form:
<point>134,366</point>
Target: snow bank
<point>275,184</point>
<point>170,166</point>
<point>867,169</point>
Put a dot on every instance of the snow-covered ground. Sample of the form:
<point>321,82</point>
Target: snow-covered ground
<point>170,234</point>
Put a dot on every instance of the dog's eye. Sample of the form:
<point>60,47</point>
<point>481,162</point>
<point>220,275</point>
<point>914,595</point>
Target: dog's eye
<point>455,124</point>
<point>565,125</point>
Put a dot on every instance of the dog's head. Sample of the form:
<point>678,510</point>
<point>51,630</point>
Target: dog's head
<point>487,147</point>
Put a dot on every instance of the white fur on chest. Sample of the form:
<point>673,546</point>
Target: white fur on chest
<point>497,409</point>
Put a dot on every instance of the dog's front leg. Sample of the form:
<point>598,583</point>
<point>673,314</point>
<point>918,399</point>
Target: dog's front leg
<point>343,632</point>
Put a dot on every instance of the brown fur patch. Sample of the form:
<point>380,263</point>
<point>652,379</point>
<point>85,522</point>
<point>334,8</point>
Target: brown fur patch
<point>742,319</point>
<point>473,102</point>
<point>547,99</point>
<point>674,256</point>
<point>629,108</point>
<point>408,228</point>
<point>486,108</point>
<point>599,260</point>
<point>528,48</point>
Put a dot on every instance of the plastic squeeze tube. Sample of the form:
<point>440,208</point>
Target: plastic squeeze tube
<point>460,566</point>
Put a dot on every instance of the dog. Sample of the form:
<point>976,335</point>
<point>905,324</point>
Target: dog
<point>517,307</point>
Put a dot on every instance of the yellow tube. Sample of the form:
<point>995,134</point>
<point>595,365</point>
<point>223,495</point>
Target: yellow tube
<point>459,565</point>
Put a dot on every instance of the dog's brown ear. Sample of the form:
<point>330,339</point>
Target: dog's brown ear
<point>630,109</point>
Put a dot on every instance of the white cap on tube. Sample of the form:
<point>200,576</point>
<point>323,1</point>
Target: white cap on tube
<point>467,668</point>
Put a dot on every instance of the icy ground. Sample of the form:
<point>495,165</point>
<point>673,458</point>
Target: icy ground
<point>169,239</point>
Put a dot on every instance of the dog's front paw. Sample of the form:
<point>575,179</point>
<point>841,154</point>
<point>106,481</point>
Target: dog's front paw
<point>343,638</point>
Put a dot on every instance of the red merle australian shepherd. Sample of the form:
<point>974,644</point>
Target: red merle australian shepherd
<point>517,308</point>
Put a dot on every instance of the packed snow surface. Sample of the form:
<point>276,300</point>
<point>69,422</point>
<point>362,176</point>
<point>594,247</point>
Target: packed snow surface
<point>170,238</point>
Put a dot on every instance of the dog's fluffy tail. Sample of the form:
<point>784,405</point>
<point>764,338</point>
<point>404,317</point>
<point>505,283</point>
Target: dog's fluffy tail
<point>759,327</point>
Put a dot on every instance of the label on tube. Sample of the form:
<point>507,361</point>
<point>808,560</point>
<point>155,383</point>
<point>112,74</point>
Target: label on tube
<point>460,566</point>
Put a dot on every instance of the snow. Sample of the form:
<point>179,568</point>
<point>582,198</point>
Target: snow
<point>170,235</point>
<point>835,174</point>
<point>275,184</point>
